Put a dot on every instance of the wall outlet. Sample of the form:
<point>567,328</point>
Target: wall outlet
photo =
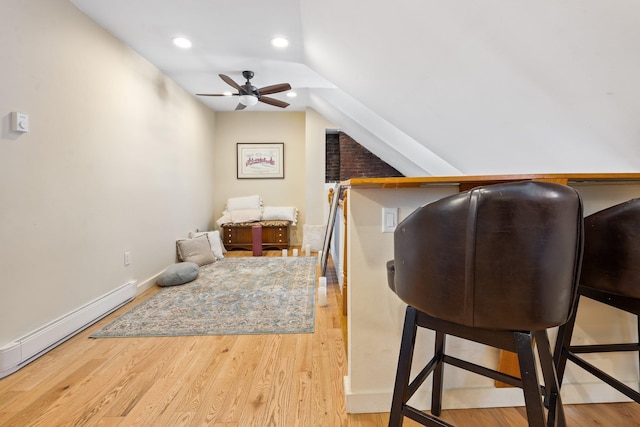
<point>127,258</point>
<point>389,219</point>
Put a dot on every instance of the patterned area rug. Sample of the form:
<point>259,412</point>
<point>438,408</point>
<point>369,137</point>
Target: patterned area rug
<point>270,295</point>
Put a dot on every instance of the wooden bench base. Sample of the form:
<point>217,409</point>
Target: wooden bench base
<point>238,236</point>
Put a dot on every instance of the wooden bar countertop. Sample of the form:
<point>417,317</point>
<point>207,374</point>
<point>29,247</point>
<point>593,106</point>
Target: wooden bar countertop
<point>470,181</point>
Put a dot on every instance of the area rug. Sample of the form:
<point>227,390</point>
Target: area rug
<point>243,295</point>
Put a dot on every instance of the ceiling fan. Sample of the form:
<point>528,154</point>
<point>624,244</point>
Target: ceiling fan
<point>250,95</point>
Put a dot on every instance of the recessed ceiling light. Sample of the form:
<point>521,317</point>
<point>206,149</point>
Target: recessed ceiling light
<point>227,93</point>
<point>182,42</point>
<point>280,42</point>
<point>292,94</point>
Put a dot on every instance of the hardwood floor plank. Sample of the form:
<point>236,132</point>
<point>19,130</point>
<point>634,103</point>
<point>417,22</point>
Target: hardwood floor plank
<point>262,382</point>
<point>366,420</point>
<point>321,408</point>
<point>609,414</point>
<point>190,372</point>
<point>176,419</point>
<point>38,404</point>
<point>211,406</point>
<point>8,398</point>
<point>146,367</point>
<point>126,354</point>
<point>304,353</point>
<point>300,400</point>
<point>187,360</point>
<point>338,363</point>
<point>242,363</point>
<point>320,344</point>
<point>498,417</point>
<point>79,403</point>
<point>301,383</point>
<point>279,398</point>
<point>288,345</point>
<point>245,346</point>
<point>109,422</point>
<point>197,391</point>
<point>154,402</point>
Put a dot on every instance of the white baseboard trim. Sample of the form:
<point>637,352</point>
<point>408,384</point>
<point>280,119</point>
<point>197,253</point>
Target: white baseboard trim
<point>20,352</point>
<point>372,402</point>
<point>148,284</point>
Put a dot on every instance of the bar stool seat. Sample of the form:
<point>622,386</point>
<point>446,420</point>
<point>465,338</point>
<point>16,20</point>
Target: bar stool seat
<point>611,276</point>
<point>497,265</point>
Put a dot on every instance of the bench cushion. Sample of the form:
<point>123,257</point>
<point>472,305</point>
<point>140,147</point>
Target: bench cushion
<point>262,223</point>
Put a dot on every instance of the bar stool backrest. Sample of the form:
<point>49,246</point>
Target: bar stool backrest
<point>505,256</point>
<point>612,250</point>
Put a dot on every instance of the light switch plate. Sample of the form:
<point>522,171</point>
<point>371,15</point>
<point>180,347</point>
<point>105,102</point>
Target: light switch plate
<point>19,122</point>
<point>389,219</point>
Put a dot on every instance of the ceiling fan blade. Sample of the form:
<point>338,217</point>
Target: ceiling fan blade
<point>274,88</point>
<point>216,94</point>
<point>228,80</point>
<point>273,101</point>
<point>240,106</point>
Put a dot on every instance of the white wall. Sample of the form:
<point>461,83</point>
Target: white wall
<point>376,315</point>
<point>118,158</point>
<point>316,205</point>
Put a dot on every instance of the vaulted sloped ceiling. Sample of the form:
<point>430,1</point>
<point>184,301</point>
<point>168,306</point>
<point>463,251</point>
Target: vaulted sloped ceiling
<point>432,87</point>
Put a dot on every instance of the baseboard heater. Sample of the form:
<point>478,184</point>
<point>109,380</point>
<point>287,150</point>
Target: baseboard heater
<point>24,350</point>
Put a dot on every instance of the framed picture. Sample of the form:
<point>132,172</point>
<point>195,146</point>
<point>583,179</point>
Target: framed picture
<point>260,161</point>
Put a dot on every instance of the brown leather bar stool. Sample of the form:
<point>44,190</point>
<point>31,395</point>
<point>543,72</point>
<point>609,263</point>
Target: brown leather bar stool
<point>610,275</point>
<point>497,265</point>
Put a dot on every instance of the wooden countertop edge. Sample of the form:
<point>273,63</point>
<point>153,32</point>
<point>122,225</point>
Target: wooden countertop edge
<point>409,182</point>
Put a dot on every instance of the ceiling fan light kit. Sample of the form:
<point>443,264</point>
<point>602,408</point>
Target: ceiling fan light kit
<point>248,100</point>
<point>249,95</point>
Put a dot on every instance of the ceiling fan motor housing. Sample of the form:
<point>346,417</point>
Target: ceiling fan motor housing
<point>249,89</point>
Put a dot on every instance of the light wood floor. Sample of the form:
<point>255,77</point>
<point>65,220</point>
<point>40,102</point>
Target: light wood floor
<point>247,380</point>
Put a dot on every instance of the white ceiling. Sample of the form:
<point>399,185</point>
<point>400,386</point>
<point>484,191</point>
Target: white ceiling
<point>432,87</point>
<point>228,36</point>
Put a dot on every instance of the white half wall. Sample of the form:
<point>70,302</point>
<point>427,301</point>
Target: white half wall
<point>376,314</point>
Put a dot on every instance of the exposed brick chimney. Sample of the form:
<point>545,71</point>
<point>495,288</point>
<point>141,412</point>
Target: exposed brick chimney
<point>346,159</point>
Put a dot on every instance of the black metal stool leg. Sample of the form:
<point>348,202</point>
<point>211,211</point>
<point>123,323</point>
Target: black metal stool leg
<point>638,341</point>
<point>563,342</point>
<point>438,372</point>
<point>405,359</point>
<point>530,381</point>
<point>555,416</point>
